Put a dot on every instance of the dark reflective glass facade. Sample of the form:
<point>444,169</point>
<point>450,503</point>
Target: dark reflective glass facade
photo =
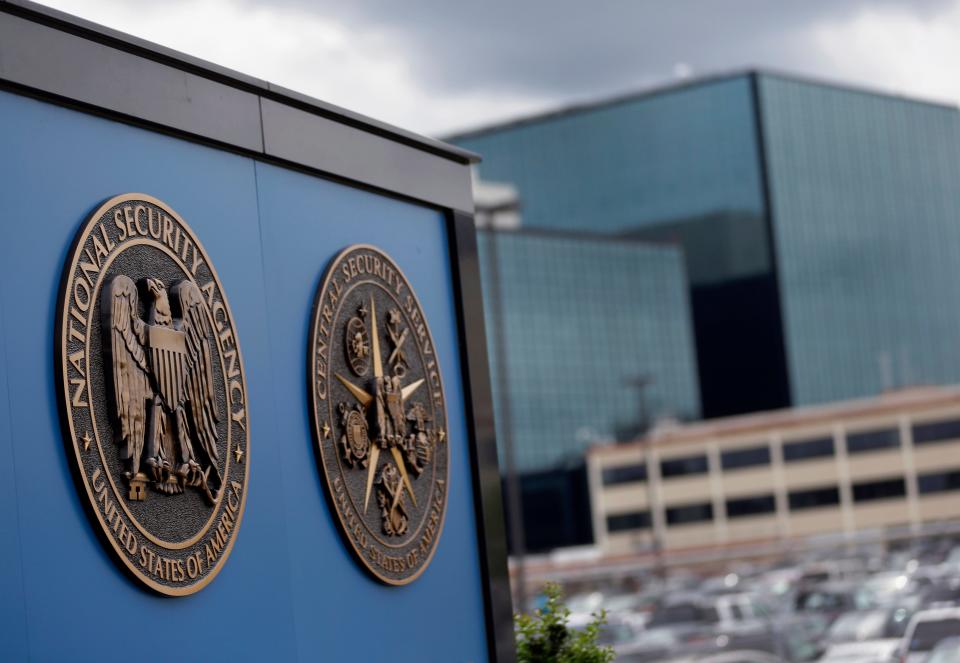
<point>683,166</point>
<point>569,321</point>
<point>831,212</point>
<point>647,161</point>
<point>818,227</point>
<point>865,203</point>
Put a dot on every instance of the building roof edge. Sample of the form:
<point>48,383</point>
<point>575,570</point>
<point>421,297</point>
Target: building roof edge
<point>914,398</point>
<point>578,107</point>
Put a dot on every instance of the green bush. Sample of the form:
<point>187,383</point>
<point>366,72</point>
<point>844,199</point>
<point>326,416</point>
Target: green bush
<point>545,637</point>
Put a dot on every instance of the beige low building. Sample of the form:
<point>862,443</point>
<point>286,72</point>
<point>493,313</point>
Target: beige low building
<point>885,462</point>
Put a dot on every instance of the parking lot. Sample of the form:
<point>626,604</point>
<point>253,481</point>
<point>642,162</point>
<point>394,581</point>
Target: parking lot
<point>855,604</point>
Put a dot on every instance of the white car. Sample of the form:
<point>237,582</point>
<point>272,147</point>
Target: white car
<point>869,651</point>
<point>926,629</point>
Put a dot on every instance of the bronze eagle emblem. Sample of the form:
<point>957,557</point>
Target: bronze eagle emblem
<point>164,405</point>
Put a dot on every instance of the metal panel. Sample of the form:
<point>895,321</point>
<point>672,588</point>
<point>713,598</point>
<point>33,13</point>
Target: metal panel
<point>70,60</point>
<point>13,644</point>
<point>372,125</point>
<point>45,59</point>
<point>301,137</point>
<point>483,447</point>
<point>69,23</point>
<point>304,222</point>
<point>124,42</point>
<point>73,587</point>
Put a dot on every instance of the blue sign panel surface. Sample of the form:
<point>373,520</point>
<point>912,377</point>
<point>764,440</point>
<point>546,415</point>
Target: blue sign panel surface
<point>290,589</point>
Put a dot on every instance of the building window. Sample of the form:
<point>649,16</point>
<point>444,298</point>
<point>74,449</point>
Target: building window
<point>731,460</point>
<point>624,474</point>
<point>885,438</point>
<point>939,482</point>
<point>805,449</point>
<point>691,513</point>
<point>936,431</point>
<point>814,498</point>
<point>627,521</point>
<point>879,490</point>
<point>751,506</point>
<point>678,467</point>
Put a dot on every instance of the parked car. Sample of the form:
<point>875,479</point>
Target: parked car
<point>872,651</point>
<point>648,646</point>
<point>857,626</point>
<point>739,656</point>
<point>887,587</point>
<point>948,651</point>
<point>832,599</point>
<point>945,592</point>
<point>927,628</point>
<point>898,616</point>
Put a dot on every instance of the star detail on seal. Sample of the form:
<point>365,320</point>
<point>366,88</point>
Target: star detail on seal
<point>385,389</point>
<point>86,439</point>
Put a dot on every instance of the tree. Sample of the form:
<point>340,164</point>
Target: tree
<point>545,636</point>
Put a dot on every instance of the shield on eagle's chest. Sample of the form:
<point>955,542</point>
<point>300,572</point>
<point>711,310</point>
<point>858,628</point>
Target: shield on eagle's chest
<point>168,359</point>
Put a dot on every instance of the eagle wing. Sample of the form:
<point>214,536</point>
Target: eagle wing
<point>131,374</point>
<point>203,410</point>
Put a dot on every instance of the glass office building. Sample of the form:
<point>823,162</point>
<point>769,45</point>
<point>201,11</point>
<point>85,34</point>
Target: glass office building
<point>682,165</point>
<point>820,225</point>
<point>589,339</point>
<point>572,324</point>
<point>865,201</point>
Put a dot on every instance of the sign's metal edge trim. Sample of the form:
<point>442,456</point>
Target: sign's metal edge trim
<point>423,169</point>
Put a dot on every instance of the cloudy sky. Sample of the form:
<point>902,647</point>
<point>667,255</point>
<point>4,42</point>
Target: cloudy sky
<point>437,66</point>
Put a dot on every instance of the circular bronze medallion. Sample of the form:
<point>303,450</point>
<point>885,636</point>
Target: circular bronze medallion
<point>154,396</point>
<point>382,437</point>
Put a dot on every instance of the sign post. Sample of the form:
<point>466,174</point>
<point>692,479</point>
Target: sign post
<point>331,495</point>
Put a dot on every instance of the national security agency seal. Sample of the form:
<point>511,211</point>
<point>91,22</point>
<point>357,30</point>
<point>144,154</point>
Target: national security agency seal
<point>379,415</point>
<point>153,393</point>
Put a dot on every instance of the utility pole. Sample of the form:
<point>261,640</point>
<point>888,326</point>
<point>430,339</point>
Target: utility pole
<point>641,382</point>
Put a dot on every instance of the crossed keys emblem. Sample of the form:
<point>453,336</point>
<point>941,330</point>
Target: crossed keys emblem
<point>387,400</point>
<point>398,358</point>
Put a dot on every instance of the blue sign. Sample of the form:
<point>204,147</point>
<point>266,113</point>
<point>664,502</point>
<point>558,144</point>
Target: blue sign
<point>270,223</point>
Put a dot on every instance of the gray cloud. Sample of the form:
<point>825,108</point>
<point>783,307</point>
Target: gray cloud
<point>563,48</point>
<point>446,65</point>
